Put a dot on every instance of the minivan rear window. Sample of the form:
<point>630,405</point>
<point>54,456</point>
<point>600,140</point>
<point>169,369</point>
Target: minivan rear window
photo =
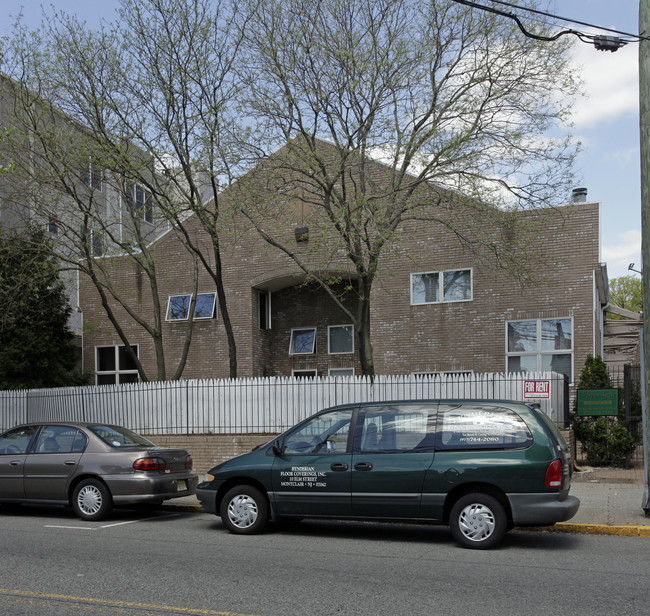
<point>553,429</point>
<point>481,427</point>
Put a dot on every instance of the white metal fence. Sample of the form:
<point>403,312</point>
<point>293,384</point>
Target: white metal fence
<point>259,405</point>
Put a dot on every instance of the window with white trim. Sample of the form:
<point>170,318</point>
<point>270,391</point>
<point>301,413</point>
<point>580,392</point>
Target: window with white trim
<point>443,373</point>
<point>303,341</point>
<point>304,374</point>
<point>439,287</point>
<point>178,306</point>
<point>114,365</point>
<point>97,242</point>
<point>341,372</point>
<point>540,345</point>
<point>340,339</point>
<point>138,200</point>
<point>92,175</point>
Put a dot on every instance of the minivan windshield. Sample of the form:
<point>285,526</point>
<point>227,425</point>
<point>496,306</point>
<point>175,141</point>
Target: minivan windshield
<point>116,436</point>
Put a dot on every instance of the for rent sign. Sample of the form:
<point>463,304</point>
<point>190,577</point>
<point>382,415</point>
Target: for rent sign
<point>536,390</point>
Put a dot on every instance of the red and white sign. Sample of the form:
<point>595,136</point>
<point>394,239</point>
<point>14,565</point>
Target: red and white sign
<point>537,389</point>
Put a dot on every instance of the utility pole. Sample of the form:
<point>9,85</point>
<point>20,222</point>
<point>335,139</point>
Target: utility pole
<point>644,122</point>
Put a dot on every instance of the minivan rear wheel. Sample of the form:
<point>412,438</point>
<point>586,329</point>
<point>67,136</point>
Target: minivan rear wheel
<point>478,521</point>
<point>244,510</point>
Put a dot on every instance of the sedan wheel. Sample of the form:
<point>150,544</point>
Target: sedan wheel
<point>92,500</point>
<point>478,521</point>
<point>244,510</point>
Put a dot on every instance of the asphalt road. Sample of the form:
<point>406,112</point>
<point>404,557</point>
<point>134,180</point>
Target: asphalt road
<point>168,563</point>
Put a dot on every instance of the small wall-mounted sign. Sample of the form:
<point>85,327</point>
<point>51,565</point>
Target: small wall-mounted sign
<point>537,390</point>
<point>597,402</point>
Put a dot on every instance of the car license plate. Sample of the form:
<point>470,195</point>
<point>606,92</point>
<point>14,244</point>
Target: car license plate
<point>181,485</point>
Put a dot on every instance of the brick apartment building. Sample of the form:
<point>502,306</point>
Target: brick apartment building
<point>106,206</point>
<point>436,307</point>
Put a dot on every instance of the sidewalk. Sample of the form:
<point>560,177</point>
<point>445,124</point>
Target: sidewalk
<point>610,503</point>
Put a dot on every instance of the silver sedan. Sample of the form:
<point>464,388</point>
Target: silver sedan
<point>91,466</point>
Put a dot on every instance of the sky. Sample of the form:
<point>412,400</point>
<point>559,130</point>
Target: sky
<point>606,121</point>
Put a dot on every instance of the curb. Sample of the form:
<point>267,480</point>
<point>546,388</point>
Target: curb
<point>560,527</point>
<point>182,507</point>
<point>601,529</point>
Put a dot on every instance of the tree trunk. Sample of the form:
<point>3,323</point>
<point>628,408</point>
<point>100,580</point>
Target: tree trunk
<point>363,330</point>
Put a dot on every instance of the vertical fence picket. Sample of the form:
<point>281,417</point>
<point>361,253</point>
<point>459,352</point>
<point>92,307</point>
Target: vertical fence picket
<point>257,404</point>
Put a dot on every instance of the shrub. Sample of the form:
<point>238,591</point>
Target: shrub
<point>604,440</point>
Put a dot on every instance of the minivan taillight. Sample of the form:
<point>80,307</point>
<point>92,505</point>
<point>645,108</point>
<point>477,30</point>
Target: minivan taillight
<point>149,464</point>
<point>189,463</point>
<point>553,477</point>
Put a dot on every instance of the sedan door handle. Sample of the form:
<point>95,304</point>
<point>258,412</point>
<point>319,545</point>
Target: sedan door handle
<point>339,466</point>
<point>363,466</point>
<point>70,462</point>
<point>14,463</point>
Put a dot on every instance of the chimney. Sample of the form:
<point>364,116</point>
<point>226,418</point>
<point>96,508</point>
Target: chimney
<point>579,195</point>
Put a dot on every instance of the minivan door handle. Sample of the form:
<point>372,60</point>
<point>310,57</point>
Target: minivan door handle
<point>363,466</point>
<point>339,466</point>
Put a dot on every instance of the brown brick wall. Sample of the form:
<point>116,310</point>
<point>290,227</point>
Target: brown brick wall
<point>562,244</point>
<point>208,450</point>
<point>471,335</point>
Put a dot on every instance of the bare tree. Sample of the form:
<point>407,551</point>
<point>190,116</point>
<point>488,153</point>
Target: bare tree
<point>394,113</point>
<point>156,94</point>
<point>61,179</point>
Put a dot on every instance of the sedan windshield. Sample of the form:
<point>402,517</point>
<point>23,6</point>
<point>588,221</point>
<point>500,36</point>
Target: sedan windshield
<point>116,436</point>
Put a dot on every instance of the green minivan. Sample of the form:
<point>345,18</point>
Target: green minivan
<point>480,466</point>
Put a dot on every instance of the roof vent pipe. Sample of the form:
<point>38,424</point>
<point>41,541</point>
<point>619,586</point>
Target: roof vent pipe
<point>579,195</point>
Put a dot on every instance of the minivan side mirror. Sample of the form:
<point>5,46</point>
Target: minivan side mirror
<point>277,447</point>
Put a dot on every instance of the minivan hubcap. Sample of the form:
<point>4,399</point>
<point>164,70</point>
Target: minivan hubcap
<point>476,522</point>
<point>242,511</point>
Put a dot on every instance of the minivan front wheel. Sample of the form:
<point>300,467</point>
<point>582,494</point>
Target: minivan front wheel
<point>478,521</point>
<point>244,510</point>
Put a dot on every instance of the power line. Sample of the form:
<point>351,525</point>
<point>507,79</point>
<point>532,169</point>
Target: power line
<point>600,42</point>
<point>566,19</point>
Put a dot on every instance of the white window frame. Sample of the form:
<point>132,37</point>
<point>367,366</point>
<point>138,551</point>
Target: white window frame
<point>444,373</point>
<point>117,372</point>
<point>97,243</point>
<point>304,373</point>
<point>213,313</point>
<point>341,372</point>
<point>143,211</point>
<point>441,286</point>
<point>90,175</point>
<point>329,340</point>
<point>539,352</point>
<point>291,341</point>
<point>52,226</point>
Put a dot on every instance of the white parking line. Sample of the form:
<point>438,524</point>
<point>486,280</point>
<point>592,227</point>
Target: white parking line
<point>120,523</point>
<point>171,515</point>
<point>70,527</point>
